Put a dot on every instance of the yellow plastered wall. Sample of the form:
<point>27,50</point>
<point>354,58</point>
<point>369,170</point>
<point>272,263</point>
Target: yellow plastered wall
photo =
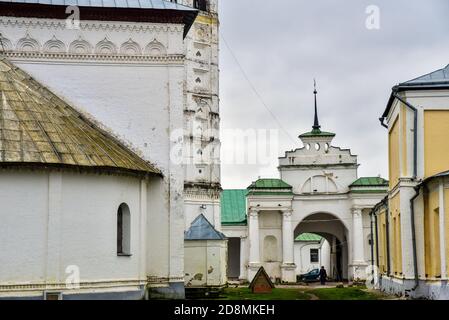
<point>432,234</point>
<point>403,141</point>
<point>436,141</point>
<point>382,245</point>
<point>393,154</point>
<point>446,213</point>
<point>396,248</point>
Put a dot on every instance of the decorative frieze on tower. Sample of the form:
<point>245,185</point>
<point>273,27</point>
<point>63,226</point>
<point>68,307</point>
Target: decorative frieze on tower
<point>202,116</point>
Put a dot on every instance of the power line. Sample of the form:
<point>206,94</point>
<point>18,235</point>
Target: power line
<point>253,88</point>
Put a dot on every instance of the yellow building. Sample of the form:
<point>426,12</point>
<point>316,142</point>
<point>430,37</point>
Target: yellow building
<point>411,247</point>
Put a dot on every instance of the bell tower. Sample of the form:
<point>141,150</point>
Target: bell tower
<point>202,116</point>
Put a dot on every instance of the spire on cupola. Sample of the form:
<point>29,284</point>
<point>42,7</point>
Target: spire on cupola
<point>316,129</point>
<point>316,125</point>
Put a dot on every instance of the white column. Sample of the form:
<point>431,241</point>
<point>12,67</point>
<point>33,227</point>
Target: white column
<point>358,239</point>
<point>358,246</point>
<point>53,263</point>
<point>254,244</point>
<point>287,238</point>
<point>442,231</point>
<point>243,256</point>
<point>288,264</point>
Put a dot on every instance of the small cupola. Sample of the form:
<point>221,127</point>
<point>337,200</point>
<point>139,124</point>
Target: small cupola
<point>316,139</point>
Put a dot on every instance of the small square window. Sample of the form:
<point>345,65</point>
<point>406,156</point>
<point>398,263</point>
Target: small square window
<point>52,296</point>
<point>314,256</point>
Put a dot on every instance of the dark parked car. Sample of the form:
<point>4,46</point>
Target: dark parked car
<point>311,276</point>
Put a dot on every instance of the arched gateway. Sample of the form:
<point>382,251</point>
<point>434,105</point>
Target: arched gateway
<point>318,193</point>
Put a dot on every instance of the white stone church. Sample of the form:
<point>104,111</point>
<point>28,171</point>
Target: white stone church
<point>99,101</point>
<point>318,192</point>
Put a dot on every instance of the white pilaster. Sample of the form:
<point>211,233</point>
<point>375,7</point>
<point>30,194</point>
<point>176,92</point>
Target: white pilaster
<point>288,264</point>
<point>53,263</point>
<point>254,244</point>
<point>243,258</point>
<point>442,231</point>
<point>358,245</point>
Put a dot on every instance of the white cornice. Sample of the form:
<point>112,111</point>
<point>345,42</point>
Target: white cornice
<point>116,58</point>
<point>57,24</point>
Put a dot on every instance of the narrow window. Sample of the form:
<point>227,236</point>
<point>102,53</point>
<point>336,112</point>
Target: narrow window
<point>123,231</point>
<point>200,4</point>
<point>314,256</point>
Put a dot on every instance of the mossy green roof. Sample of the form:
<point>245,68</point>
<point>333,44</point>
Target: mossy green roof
<point>308,237</point>
<point>37,128</point>
<point>233,207</point>
<point>270,184</point>
<point>370,182</point>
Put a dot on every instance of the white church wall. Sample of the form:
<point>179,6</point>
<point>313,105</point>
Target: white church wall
<point>24,214</point>
<point>64,222</point>
<point>139,97</point>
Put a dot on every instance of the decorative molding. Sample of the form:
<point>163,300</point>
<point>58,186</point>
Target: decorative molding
<point>106,47</point>
<point>54,46</point>
<point>28,44</point>
<point>155,48</point>
<point>6,44</point>
<point>130,47</point>
<point>80,46</point>
<point>62,286</point>
<point>56,24</point>
<point>176,59</point>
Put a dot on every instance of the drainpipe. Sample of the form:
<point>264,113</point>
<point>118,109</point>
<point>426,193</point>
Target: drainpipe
<point>372,241</point>
<point>415,255</point>
<point>377,240</point>
<point>387,233</point>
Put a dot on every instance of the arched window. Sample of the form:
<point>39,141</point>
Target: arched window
<point>270,249</point>
<point>123,230</point>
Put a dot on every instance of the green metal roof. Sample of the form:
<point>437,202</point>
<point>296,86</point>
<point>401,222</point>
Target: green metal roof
<point>370,182</point>
<point>270,184</point>
<point>317,133</point>
<point>308,237</point>
<point>233,207</point>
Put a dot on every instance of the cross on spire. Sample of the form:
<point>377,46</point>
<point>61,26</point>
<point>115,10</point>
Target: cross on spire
<point>316,124</point>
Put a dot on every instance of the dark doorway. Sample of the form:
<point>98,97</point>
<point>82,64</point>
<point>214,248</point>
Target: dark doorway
<point>233,258</point>
<point>339,268</point>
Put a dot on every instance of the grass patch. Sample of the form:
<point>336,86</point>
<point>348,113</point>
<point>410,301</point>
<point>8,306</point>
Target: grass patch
<point>353,293</point>
<point>277,294</point>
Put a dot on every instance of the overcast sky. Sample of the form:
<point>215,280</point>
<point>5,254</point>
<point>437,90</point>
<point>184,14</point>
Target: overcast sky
<point>283,45</point>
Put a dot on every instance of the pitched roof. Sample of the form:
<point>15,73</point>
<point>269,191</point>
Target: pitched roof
<point>39,129</point>
<point>436,80</point>
<point>261,273</point>
<point>158,11</point>
<point>370,182</point>
<point>233,207</point>
<point>202,229</point>
<point>269,184</point>
<point>309,237</point>
<point>136,4</point>
<point>440,76</point>
<point>270,187</point>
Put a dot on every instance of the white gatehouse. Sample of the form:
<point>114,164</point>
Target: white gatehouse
<point>318,192</point>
